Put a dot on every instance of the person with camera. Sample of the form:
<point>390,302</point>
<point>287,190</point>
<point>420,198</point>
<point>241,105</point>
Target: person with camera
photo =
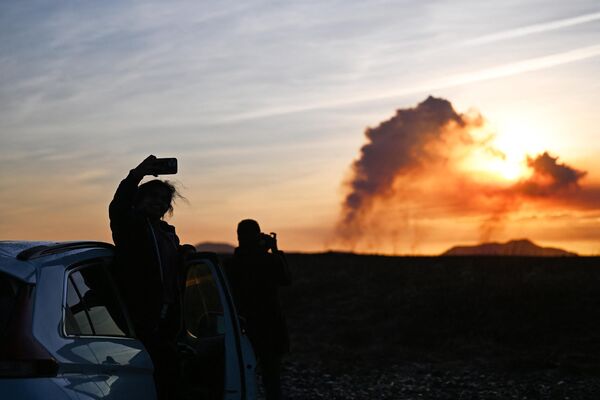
<point>255,272</point>
<point>149,265</point>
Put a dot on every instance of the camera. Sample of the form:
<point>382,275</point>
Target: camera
<point>267,241</point>
<point>165,166</point>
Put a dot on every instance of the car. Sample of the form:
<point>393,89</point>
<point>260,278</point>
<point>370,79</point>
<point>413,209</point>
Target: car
<point>65,333</point>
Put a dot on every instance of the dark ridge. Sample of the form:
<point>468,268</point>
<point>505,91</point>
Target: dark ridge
<point>215,247</point>
<point>521,247</point>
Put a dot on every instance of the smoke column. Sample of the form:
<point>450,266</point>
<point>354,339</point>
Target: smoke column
<point>408,174</point>
<point>397,147</point>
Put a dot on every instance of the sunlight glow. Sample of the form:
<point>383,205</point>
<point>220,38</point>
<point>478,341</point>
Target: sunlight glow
<point>497,165</point>
<point>509,168</point>
<point>520,137</point>
<point>504,157</point>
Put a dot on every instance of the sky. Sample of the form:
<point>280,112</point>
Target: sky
<point>266,105</point>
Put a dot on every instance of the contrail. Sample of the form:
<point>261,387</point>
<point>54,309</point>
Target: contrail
<point>519,67</point>
<point>531,29</point>
<point>501,71</point>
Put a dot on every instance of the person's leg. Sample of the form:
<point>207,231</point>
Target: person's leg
<point>270,365</point>
<point>166,366</point>
<point>169,371</point>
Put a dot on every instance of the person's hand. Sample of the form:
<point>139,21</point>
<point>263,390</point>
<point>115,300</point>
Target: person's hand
<point>146,167</point>
<point>274,242</point>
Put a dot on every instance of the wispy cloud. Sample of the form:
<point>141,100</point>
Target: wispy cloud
<point>532,29</point>
<point>500,71</point>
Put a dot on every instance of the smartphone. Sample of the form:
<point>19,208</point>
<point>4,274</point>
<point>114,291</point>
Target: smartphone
<point>165,166</point>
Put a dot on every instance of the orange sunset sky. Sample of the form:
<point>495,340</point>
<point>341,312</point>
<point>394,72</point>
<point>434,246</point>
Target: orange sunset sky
<point>312,117</point>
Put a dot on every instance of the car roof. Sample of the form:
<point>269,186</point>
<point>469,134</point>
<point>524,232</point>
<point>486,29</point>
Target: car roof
<point>22,259</point>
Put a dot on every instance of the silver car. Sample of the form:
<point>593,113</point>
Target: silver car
<point>65,334</point>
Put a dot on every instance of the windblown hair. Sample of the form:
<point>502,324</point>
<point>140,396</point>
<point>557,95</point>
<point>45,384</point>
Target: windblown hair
<point>170,187</point>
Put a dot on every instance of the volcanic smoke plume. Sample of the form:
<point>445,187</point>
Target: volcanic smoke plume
<point>414,169</point>
<point>396,147</point>
<point>550,177</point>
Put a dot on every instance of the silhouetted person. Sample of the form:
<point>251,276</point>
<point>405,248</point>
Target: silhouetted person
<point>255,276</point>
<point>149,268</point>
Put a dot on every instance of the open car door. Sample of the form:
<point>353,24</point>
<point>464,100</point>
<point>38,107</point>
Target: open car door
<point>217,358</point>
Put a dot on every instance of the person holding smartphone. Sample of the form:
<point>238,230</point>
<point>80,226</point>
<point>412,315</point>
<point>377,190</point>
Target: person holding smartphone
<point>256,271</point>
<point>149,265</point>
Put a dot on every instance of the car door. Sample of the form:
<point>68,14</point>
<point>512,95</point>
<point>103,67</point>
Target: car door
<point>95,318</point>
<point>217,360</point>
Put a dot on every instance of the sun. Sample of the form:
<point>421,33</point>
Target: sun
<point>497,165</point>
<point>503,156</point>
<point>511,167</point>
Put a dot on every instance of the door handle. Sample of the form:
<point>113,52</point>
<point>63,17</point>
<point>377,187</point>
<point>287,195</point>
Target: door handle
<point>110,371</point>
<point>110,366</point>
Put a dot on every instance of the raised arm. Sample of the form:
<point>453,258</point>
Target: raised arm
<point>283,276</point>
<point>122,203</point>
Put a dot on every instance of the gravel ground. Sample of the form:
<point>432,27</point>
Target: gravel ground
<point>430,381</point>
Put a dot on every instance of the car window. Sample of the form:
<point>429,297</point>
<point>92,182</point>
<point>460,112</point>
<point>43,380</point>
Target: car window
<point>92,304</point>
<point>77,321</point>
<point>203,311</point>
<point>9,289</point>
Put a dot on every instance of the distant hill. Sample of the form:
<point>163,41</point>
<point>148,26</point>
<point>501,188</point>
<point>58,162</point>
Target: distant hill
<point>521,247</point>
<point>219,248</point>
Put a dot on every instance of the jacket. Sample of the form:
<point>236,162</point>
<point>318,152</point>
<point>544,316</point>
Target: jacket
<point>141,260</point>
<point>255,277</point>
